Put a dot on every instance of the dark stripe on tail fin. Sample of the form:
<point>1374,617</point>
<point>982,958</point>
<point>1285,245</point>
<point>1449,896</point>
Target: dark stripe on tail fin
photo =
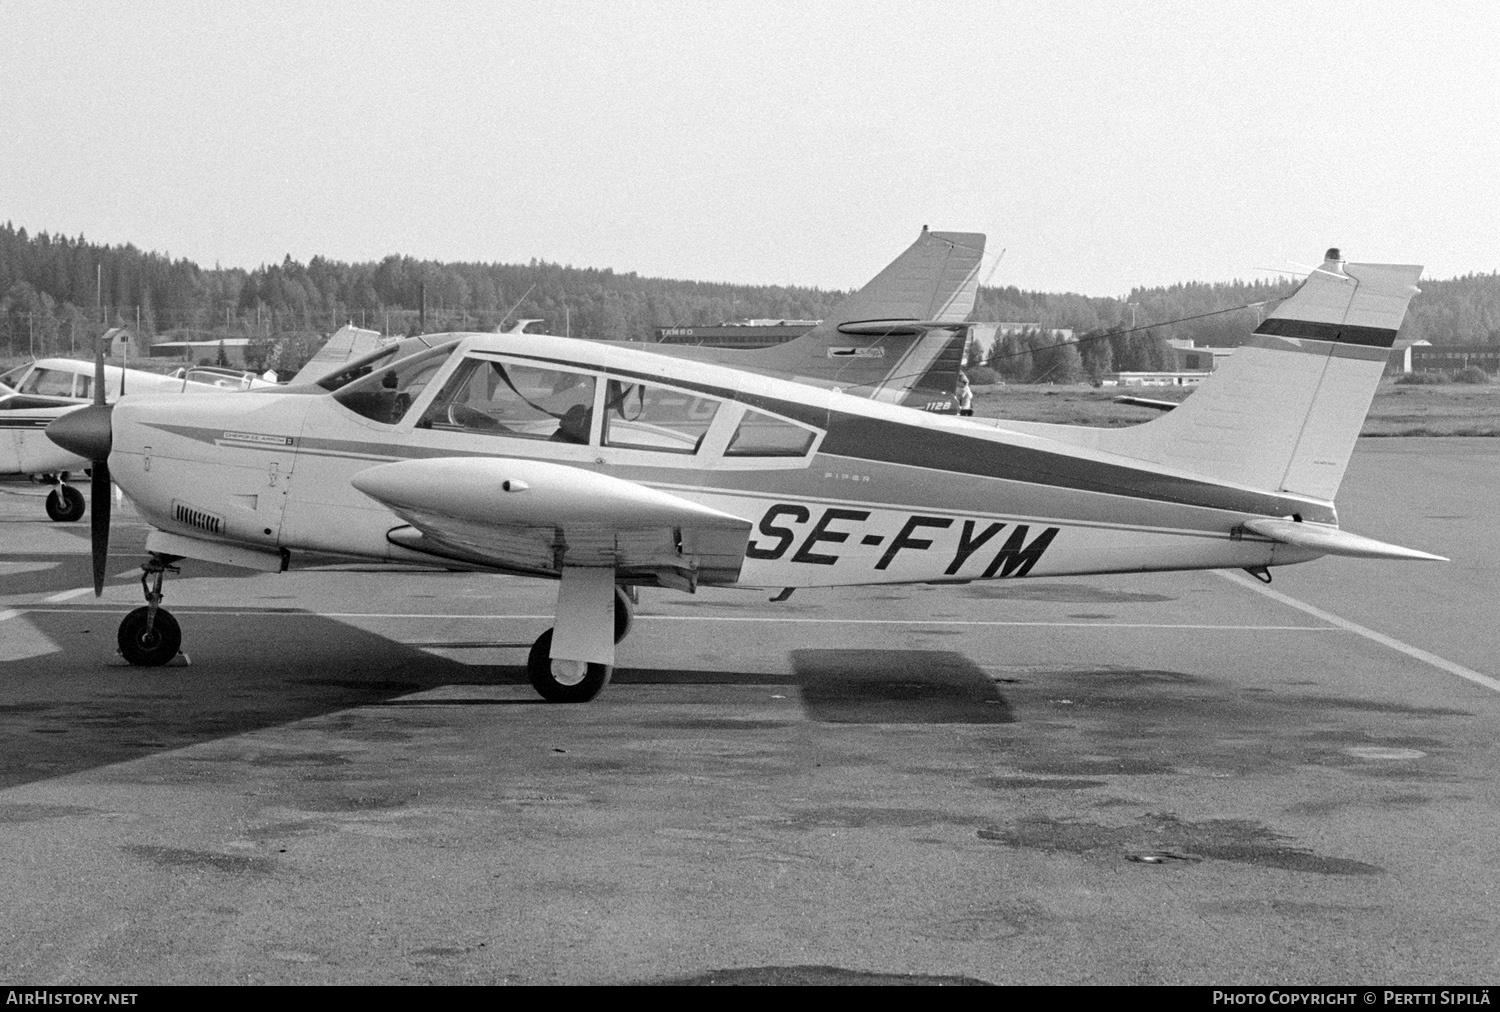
<point>1338,333</point>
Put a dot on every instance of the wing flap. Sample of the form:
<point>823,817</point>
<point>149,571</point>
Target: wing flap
<point>1332,541</point>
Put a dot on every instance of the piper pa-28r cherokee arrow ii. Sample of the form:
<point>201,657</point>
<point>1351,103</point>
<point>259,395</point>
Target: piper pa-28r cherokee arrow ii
<point>609,467</point>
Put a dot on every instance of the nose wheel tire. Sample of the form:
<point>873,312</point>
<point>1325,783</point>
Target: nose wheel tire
<point>149,648</point>
<point>563,681</point>
<point>65,503</point>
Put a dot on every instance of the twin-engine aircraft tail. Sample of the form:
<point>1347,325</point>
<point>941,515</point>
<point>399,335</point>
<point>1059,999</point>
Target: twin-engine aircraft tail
<point>899,339</point>
<point>1284,412</point>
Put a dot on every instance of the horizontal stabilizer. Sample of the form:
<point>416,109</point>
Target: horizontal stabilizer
<point>896,328</point>
<point>1332,541</point>
<point>1145,402</point>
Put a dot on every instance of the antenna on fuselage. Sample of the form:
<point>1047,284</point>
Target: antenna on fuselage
<point>500,327</point>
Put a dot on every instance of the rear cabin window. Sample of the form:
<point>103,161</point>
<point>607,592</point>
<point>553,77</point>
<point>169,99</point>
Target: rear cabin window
<point>642,417</point>
<point>387,394</point>
<point>503,398</point>
<point>766,436</point>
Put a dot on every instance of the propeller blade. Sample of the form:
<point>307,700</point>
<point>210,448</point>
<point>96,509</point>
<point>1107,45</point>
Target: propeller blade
<point>97,441</point>
<point>102,502</point>
<point>99,372</point>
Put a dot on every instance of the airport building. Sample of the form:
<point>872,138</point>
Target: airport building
<point>1192,365</point>
<point>1191,358</point>
<point>1423,356</point>
<point>234,350</point>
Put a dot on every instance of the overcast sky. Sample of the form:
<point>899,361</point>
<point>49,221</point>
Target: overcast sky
<point>1103,145</point>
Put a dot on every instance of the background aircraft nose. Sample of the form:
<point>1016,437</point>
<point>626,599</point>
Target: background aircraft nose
<point>86,432</point>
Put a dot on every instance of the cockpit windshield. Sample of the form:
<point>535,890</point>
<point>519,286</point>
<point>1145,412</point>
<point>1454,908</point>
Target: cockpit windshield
<point>366,364</point>
<point>385,395</point>
<point>12,379</point>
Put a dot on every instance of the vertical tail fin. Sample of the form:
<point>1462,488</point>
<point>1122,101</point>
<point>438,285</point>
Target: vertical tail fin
<point>887,340</point>
<point>345,345</point>
<point>1284,412</point>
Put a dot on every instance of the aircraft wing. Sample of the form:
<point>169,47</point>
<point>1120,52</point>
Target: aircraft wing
<point>538,516</point>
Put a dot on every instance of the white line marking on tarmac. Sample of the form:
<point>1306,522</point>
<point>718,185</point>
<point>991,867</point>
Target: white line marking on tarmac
<point>1369,634</point>
<point>68,595</point>
<point>295,613</point>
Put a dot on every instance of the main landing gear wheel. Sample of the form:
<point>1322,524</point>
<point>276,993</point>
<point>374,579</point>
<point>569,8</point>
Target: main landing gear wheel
<point>149,647</point>
<point>624,614</point>
<point>65,503</point>
<point>563,681</point>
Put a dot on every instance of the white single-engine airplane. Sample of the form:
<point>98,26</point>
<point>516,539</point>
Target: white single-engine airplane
<point>609,467</point>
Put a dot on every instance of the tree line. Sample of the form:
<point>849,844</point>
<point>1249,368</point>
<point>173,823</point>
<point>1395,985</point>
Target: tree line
<point>57,292</point>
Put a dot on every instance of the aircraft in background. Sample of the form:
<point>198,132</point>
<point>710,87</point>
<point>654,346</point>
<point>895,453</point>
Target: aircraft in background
<point>610,467</point>
<point>900,339</point>
<point>347,344</point>
<point>33,395</point>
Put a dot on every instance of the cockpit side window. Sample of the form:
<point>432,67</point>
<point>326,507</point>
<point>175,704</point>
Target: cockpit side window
<point>386,394</point>
<point>761,435</point>
<point>655,418</point>
<point>509,399</point>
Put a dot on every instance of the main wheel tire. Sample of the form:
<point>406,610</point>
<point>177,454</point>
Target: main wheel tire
<point>624,614</point>
<point>563,681</point>
<point>153,648</point>
<point>65,504</point>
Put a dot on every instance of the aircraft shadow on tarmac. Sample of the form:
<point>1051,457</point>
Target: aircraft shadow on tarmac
<point>867,686</point>
<point>55,571</point>
<point>897,687</point>
<point>82,706</point>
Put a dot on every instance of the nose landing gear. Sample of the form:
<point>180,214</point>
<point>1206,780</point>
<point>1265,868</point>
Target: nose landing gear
<point>149,636</point>
<point>65,503</point>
